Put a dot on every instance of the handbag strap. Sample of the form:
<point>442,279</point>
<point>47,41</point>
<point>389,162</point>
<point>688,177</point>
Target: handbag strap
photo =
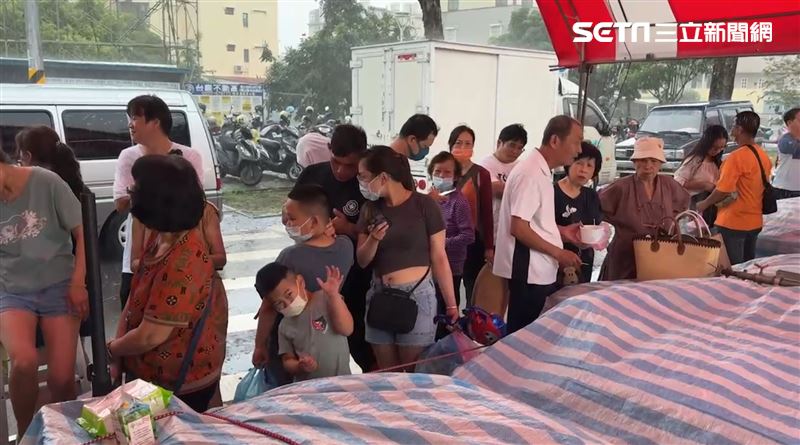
<point>420,281</point>
<point>760,166</point>
<point>198,330</point>
<point>696,218</point>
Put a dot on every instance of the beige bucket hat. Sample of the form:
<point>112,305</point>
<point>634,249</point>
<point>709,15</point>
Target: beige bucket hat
<point>649,147</point>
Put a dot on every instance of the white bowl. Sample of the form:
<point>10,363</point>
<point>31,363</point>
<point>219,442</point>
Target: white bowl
<point>592,234</point>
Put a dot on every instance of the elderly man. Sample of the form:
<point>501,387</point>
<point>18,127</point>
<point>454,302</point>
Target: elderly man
<point>528,247</point>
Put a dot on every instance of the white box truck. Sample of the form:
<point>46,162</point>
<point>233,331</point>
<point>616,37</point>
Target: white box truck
<point>485,87</point>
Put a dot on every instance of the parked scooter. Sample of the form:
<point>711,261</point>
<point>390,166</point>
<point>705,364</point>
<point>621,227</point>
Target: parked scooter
<point>237,153</point>
<point>278,150</point>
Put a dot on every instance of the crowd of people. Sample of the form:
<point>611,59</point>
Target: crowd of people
<point>374,259</point>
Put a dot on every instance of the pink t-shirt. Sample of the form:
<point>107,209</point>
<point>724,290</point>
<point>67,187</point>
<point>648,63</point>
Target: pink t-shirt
<point>313,148</point>
<point>123,179</point>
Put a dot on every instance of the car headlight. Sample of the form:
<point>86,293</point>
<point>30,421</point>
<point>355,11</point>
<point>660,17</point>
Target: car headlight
<point>674,155</point>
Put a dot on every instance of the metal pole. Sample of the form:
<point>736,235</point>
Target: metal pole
<point>35,61</point>
<point>100,377</point>
<point>583,90</point>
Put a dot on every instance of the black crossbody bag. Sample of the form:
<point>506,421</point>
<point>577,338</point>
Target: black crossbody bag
<point>393,310</point>
<point>769,204</point>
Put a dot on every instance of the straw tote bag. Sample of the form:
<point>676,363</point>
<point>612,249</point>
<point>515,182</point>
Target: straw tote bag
<point>676,255</point>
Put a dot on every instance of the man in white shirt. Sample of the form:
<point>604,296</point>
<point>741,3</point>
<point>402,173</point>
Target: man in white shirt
<point>787,172</point>
<point>528,246</point>
<point>150,122</point>
<point>510,146</point>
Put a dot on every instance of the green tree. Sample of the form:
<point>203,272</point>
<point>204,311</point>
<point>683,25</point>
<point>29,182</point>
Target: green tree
<point>266,54</point>
<point>81,30</point>
<point>189,59</point>
<point>525,30</point>
<point>667,80</point>
<point>611,86</point>
<point>782,82</point>
<point>317,72</point>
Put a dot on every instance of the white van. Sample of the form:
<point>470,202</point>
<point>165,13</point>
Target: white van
<point>93,121</point>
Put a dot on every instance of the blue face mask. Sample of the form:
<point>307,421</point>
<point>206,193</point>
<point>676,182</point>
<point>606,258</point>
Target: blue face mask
<point>419,155</point>
<point>442,184</point>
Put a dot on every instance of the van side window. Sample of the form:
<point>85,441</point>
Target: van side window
<point>592,119</point>
<point>103,134</point>
<point>14,121</point>
<point>96,134</point>
<point>180,129</point>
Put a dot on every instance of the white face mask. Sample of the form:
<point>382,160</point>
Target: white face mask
<point>296,235</point>
<point>367,192</point>
<point>296,307</point>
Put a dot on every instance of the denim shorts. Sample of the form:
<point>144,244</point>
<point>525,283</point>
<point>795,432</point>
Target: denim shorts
<point>424,332</point>
<point>48,302</point>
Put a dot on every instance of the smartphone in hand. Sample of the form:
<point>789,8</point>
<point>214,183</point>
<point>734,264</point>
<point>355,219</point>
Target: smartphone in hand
<point>379,218</point>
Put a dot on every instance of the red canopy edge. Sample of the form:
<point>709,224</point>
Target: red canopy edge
<point>699,28</point>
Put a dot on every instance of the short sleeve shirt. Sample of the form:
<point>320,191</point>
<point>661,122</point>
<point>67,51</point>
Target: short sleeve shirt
<point>787,173</point>
<point>343,196</point>
<point>499,172</point>
<point>34,231</point>
<point>173,290</point>
<point>123,180</point>
<point>407,241</point>
<point>585,209</point>
<point>740,173</point>
<point>696,169</point>
<point>313,148</point>
<point>310,261</point>
<point>529,196</point>
<point>311,333</point>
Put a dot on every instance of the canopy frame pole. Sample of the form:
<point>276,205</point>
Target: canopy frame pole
<point>584,70</point>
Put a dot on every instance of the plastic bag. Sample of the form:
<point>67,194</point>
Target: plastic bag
<point>458,344</point>
<point>256,382</point>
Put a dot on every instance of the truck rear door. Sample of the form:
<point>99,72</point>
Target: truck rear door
<point>369,86</point>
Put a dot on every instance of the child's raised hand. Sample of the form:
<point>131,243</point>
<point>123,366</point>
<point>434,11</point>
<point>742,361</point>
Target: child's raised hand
<point>307,363</point>
<point>333,281</point>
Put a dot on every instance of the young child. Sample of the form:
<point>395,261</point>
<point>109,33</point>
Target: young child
<point>312,337</point>
<point>444,172</point>
<point>306,216</point>
<point>575,204</point>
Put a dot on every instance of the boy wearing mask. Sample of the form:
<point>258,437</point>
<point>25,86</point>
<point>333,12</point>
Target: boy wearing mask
<point>306,216</point>
<point>312,337</point>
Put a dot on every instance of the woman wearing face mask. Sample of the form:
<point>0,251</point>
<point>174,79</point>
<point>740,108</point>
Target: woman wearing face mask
<point>402,235</point>
<point>444,172</point>
<point>172,331</point>
<point>699,172</point>
<point>476,185</point>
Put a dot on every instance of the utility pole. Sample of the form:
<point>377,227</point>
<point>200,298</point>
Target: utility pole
<point>35,61</point>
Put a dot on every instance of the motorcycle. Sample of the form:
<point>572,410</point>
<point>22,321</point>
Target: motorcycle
<point>278,150</point>
<point>237,153</point>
